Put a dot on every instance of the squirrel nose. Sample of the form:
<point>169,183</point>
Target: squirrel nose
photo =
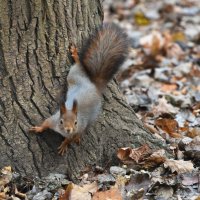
<point>68,130</point>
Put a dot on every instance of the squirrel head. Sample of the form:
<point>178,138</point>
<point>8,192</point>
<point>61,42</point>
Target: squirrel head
<point>68,118</point>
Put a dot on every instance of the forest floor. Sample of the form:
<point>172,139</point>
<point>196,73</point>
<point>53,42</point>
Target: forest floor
<point>161,81</point>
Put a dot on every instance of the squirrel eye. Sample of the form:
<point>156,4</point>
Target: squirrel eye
<point>61,121</point>
<point>75,122</point>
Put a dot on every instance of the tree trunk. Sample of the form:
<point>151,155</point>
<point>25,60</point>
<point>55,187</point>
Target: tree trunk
<point>34,61</point>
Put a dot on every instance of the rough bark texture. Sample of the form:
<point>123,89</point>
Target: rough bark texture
<point>34,61</point>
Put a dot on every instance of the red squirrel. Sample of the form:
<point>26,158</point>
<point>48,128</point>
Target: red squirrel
<point>98,61</point>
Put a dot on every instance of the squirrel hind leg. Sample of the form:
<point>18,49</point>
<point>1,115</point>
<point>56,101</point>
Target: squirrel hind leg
<point>74,53</point>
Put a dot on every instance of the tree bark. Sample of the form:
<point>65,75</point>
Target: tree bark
<point>34,61</point>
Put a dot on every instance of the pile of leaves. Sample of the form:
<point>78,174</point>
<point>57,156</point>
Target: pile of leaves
<point>144,175</point>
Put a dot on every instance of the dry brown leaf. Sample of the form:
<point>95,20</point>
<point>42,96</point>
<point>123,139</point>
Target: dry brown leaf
<point>163,107</point>
<point>152,43</point>
<point>170,126</point>
<point>171,48</point>
<point>168,87</point>
<point>3,196</point>
<point>180,166</point>
<point>150,127</point>
<point>193,132</point>
<point>155,159</point>
<point>128,154</point>
<point>157,44</point>
<point>84,193</point>
<point>6,175</point>
<point>195,71</point>
<point>67,193</point>
<point>112,194</point>
<point>174,50</point>
<point>196,108</point>
<point>139,153</point>
<point>123,153</point>
<point>194,144</point>
<point>153,130</point>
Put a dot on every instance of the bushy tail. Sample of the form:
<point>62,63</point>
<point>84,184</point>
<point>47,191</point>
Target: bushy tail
<point>103,54</point>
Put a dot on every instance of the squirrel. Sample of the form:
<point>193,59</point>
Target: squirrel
<point>98,61</point>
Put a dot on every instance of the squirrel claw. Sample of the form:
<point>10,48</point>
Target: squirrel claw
<point>36,129</point>
<point>61,151</point>
<point>62,148</point>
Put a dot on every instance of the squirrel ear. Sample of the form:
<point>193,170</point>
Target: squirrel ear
<point>63,109</point>
<point>75,106</point>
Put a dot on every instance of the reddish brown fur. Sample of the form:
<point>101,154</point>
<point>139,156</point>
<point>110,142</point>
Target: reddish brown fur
<point>63,109</point>
<point>103,54</point>
<point>74,53</point>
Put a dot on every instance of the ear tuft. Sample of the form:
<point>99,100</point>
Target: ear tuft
<point>75,106</point>
<point>63,109</point>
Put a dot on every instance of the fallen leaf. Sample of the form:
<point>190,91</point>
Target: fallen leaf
<point>173,50</point>
<point>137,182</point>
<point>194,144</point>
<point>152,43</point>
<point>123,153</point>
<point>112,194</point>
<point>155,159</point>
<point>140,19</point>
<point>137,154</point>
<point>75,192</point>
<point>150,127</point>
<point>180,166</point>
<point>164,192</point>
<point>3,196</point>
<point>170,126</point>
<point>193,132</point>
<point>153,130</point>
<point>6,175</point>
<point>178,36</point>
<point>190,179</point>
<point>196,108</point>
<point>195,71</point>
<point>67,193</point>
<point>168,87</point>
<point>159,176</point>
<point>164,107</point>
<point>193,155</point>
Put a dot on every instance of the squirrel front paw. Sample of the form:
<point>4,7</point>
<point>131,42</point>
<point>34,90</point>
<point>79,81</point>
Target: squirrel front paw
<point>36,129</point>
<point>62,148</point>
